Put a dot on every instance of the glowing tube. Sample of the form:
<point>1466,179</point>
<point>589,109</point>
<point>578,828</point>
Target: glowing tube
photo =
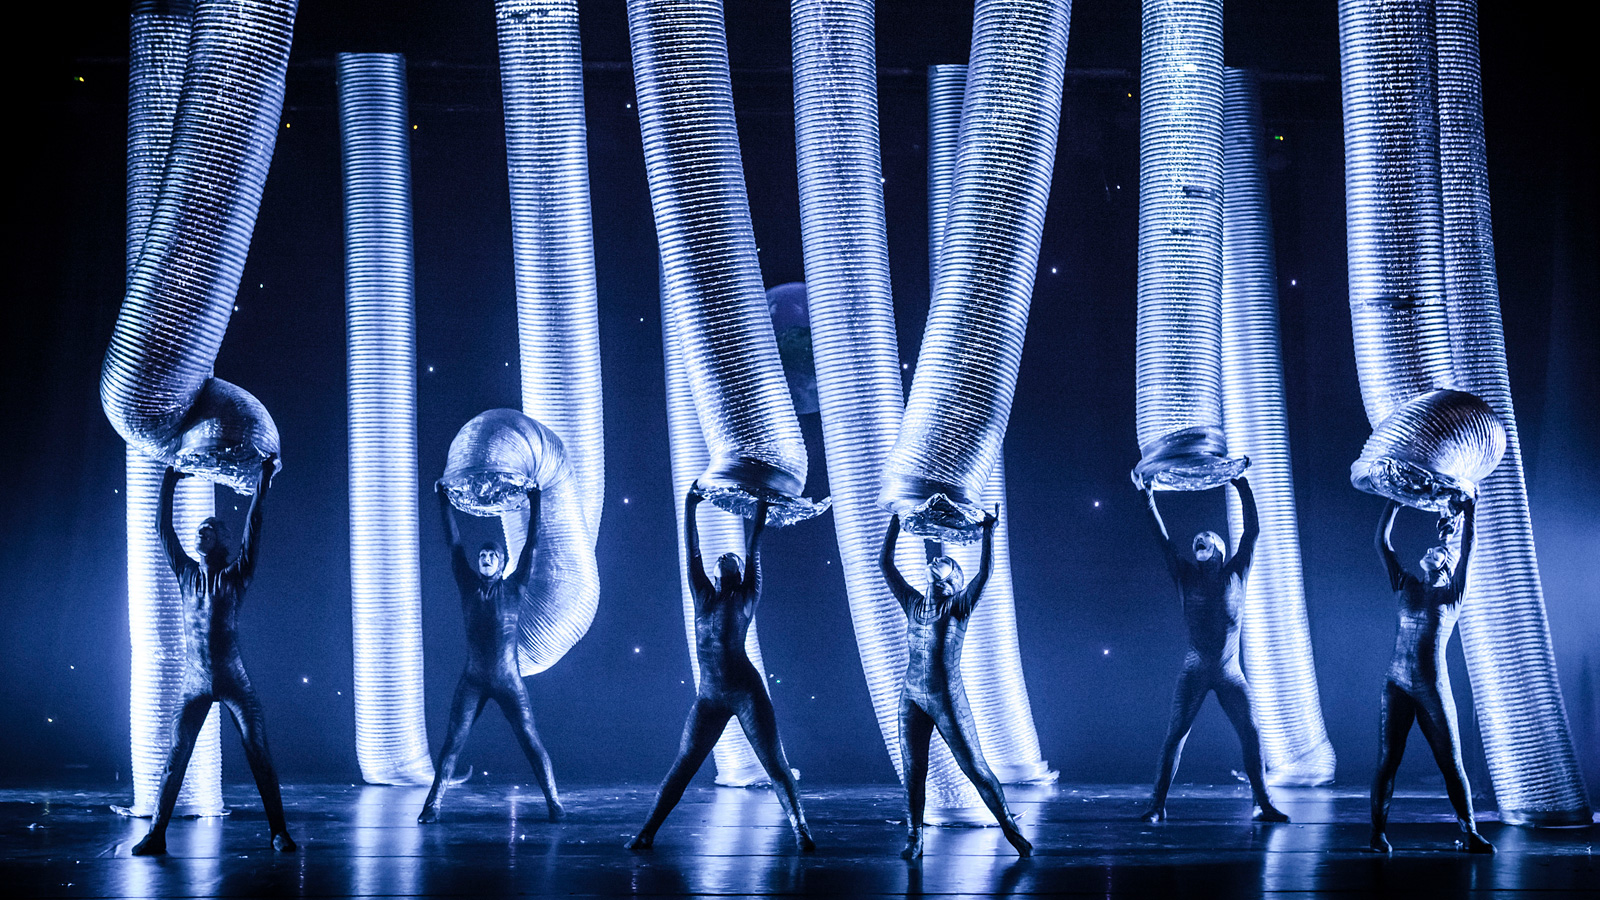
<point>720,532</point>
<point>1521,716</point>
<point>1275,635</point>
<point>708,255</point>
<point>156,385</point>
<point>385,578</point>
<point>1179,357</point>
<point>991,663</point>
<point>1428,444</point>
<point>842,226</point>
<point>493,460</point>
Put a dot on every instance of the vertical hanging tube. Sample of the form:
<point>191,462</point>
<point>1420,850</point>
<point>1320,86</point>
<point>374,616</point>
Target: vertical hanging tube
<point>1275,634</point>
<point>1429,443</point>
<point>991,663</point>
<point>1521,715</point>
<point>844,233</point>
<point>1179,358</point>
<point>708,256</point>
<point>967,370</point>
<point>385,575</point>
<point>159,48</point>
<point>720,532</point>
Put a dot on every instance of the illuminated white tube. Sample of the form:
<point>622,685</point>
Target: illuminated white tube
<point>493,460</point>
<point>1179,348</point>
<point>385,575</point>
<point>966,372</point>
<point>156,384</point>
<point>1521,716</point>
<point>1274,632</point>
<point>708,257</point>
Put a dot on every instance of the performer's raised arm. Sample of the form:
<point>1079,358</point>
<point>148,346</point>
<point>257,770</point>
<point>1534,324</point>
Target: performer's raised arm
<point>1252,529</point>
<point>525,558</point>
<point>250,547</point>
<point>898,586</point>
<point>698,580</point>
<point>459,566</point>
<point>1391,563</point>
<point>1458,579</point>
<point>1160,529</point>
<point>752,554</point>
<point>974,589</point>
<point>170,542</point>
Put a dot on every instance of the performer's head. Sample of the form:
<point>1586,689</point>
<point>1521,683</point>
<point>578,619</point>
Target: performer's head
<point>213,541</point>
<point>1436,565</point>
<point>1209,548</point>
<point>945,578</point>
<point>491,559</point>
<point>729,570</point>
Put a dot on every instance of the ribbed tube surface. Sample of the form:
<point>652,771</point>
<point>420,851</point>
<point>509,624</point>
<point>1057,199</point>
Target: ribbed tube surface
<point>1178,363</point>
<point>991,662</point>
<point>844,234</point>
<point>967,368</point>
<point>1275,634</point>
<point>158,51</point>
<point>493,460</point>
<point>156,384</point>
<point>708,255</point>
<point>720,532</point>
<point>1521,716</point>
<point>541,83</point>
<point>380,323</point>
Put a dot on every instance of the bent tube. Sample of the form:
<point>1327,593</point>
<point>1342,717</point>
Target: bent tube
<point>380,323</point>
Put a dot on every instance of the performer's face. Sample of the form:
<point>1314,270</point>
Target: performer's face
<point>1436,565</point>
<point>1208,546</point>
<point>944,577</point>
<point>729,571</point>
<point>490,562</point>
<point>210,537</point>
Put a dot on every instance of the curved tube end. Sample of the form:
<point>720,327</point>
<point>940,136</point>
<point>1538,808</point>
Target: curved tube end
<point>941,518</point>
<point>487,492</point>
<point>1548,818</point>
<point>1313,768</point>
<point>1194,459</point>
<point>226,435</point>
<point>496,457</point>
<point>1037,772</point>
<point>1435,448</point>
<point>738,485</point>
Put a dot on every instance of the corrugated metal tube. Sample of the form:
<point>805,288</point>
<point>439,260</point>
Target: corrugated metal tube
<point>843,231</point>
<point>156,385</point>
<point>967,369</point>
<point>991,663</point>
<point>1275,634</point>
<point>493,460</point>
<point>708,255</point>
<point>380,323</point>
<point>1179,349</point>
<point>1521,716</point>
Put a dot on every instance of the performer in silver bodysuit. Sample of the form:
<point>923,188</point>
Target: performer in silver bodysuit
<point>1417,685</point>
<point>1211,588</point>
<point>934,696</point>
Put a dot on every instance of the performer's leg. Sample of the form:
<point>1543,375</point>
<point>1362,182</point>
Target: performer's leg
<point>1436,716</point>
<point>916,734</point>
<point>185,730</point>
<point>1396,711</point>
<point>1187,697</point>
<point>960,734</point>
<point>706,721</point>
<point>760,725</point>
<point>241,700</point>
<point>513,699</point>
<point>464,711</point>
<point>1234,696</point>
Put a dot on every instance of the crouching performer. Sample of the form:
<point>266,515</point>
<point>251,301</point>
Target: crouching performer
<point>1417,686</point>
<point>729,683</point>
<point>490,604</point>
<point>213,669</point>
<point>1211,588</point>
<point>934,696</point>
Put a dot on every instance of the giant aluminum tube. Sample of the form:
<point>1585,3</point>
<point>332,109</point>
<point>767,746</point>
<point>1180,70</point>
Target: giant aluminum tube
<point>966,370</point>
<point>492,463</point>
<point>158,51</point>
<point>380,327</point>
<point>720,532</point>
<point>844,236</point>
<point>1429,444</point>
<point>1178,380</point>
<point>1274,632</point>
<point>991,663</point>
<point>1521,716</point>
<point>708,256</point>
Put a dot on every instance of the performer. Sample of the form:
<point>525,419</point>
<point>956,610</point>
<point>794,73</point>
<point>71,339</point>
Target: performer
<point>490,605</point>
<point>729,684</point>
<point>213,670</point>
<point>1211,587</point>
<point>1417,686</point>
<point>933,696</point>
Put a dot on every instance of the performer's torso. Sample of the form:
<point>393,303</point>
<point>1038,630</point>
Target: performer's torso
<point>935,631</point>
<point>211,600</point>
<point>1211,602</point>
<point>1427,619</point>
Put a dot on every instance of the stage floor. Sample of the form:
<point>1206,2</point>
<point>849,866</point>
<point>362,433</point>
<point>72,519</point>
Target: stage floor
<point>493,840</point>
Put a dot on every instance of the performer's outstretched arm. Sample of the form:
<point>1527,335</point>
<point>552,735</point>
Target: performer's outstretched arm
<point>250,547</point>
<point>1160,528</point>
<point>1458,579</point>
<point>1252,529</point>
<point>170,542</point>
<point>525,558</point>
<point>1391,563</point>
<point>752,557</point>
<point>698,580</point>
<point>974,588</point>
<point>458,554</point>
<point>898,586</point>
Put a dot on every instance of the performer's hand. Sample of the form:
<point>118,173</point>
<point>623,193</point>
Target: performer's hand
<point>694,492</point>
<point>1238,482</point>
<point>991,519</point>
<point>176,474</point>
<point>270,467</point>
<point>894,521</point>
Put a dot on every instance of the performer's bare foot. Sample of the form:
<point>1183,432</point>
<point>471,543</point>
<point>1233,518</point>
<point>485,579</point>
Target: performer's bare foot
<point>1473,842</point>
<point>429,814</point>
<point>1154,814</point>
<point>1379,844</point>
<point>913,848</point>
<point>1266,812</point>
<point>1021,844</point>
<point>802,836</point>
<point>556,811</point>
<point>154,844</point>
<point>641,841</point>
<point>282,843</point>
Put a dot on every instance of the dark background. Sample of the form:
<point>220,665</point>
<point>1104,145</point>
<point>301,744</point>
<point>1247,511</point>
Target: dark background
<point>1088,580</point>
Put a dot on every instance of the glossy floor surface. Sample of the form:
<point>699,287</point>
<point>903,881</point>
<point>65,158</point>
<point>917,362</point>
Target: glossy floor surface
<point>494,840</point>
